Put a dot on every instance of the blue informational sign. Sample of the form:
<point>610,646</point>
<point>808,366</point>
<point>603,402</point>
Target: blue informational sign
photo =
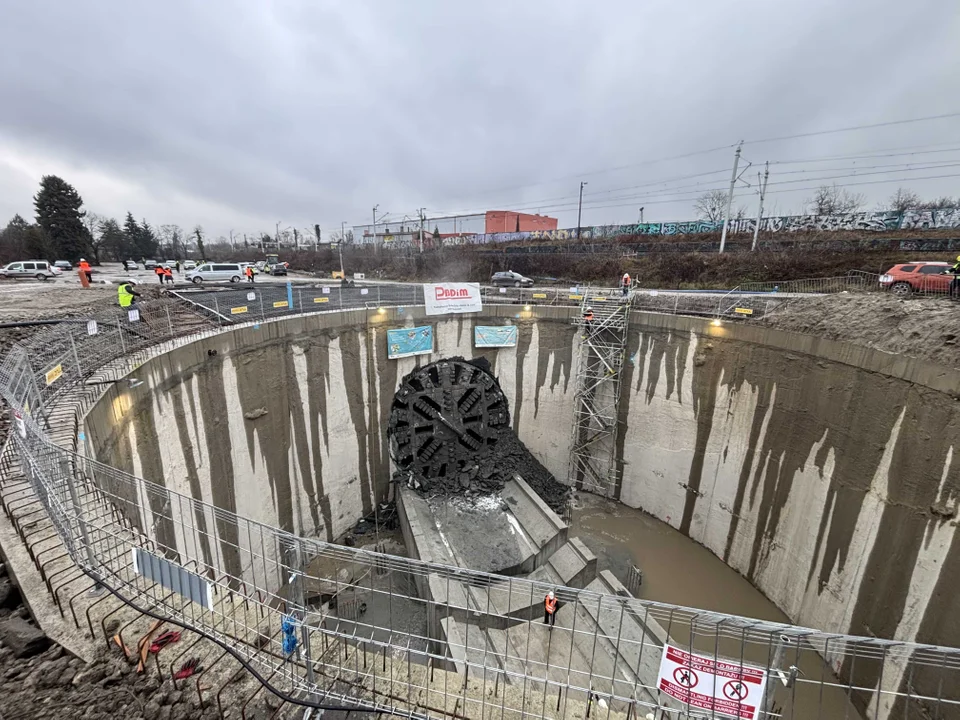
<point>404,342</point>
<point>494,336</point>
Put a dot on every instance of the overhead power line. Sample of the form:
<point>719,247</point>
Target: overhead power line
<point>853,128</point>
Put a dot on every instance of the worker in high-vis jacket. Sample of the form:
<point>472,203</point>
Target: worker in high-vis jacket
<point>625,284</point>
<point>127,295</point>
<point>955,283</point>
<point>550,609</point>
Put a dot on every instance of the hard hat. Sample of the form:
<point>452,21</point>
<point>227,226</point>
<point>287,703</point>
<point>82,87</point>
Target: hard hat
<point>131,282</point>
<point>84,259</point>
<point>551,594</point>
<point>958,258</point>
<point>589,309</point>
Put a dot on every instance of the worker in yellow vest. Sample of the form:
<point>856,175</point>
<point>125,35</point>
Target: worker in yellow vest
<point>625,284</point>
<point>127,295</point>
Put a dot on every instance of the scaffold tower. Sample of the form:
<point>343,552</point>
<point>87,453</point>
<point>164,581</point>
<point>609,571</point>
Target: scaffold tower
<point>603,340</point>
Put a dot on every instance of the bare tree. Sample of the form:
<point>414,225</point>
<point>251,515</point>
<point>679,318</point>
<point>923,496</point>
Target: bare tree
<point>941,203</point>
<point>903,200</point>
<point>835,200</point>
<point>94,225</point>
<point>711,206</point>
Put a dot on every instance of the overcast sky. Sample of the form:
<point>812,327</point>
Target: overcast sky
<point>237,114</point>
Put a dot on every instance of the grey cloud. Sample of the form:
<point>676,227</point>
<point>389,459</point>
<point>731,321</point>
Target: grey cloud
<point>312,112</point>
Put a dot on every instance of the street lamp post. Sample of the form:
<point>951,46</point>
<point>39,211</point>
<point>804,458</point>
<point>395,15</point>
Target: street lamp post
<point>343,237</point>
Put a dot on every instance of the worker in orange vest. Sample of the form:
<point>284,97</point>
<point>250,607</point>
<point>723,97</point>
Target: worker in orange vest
<point>85,269</point>
<point>167,275</point>
<point>159,271</point>
<point>249,273</point>
<point>625,284</point>
<point>550,609</point>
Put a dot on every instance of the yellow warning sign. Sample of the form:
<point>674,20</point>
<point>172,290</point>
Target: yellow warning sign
<point>321,299</point>
<point>280,303</point>
<point>238,310</point>
<point>598,299</point>
<point>54,374</point>
<point>743,311</point>
<point>540,296</point>
<point>576,297</point>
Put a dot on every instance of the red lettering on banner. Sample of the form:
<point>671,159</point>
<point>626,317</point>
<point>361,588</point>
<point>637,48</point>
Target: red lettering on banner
<point>443,293</point>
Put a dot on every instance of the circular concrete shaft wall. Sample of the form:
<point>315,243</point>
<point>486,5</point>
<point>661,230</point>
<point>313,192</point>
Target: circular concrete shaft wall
<point>823,472</point>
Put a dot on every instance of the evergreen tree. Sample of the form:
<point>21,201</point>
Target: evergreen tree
<point>147,240</point>
<point>113,241</point>
<point>134,240</point>
<point>60,217</point>
<point>198,231</point>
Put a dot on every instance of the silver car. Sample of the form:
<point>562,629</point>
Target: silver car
<point>213,272</point>
<point>39,269</point>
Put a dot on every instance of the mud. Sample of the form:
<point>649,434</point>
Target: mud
<point>678,571</point>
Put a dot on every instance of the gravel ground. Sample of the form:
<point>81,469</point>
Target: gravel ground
<point>920,327</point>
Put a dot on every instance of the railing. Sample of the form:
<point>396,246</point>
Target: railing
<point>399,654</point>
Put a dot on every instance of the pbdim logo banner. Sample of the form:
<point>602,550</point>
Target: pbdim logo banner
<point>450,298</point>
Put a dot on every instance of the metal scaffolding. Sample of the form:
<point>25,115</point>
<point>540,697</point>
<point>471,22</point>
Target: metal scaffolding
<point>603,335</point>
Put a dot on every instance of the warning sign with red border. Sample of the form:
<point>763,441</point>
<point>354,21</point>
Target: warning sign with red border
<point>726,688</point>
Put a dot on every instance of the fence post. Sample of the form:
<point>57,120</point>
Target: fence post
<point>123,345</point>
<point>262,316</point>
<point>216,309</point>
<point>76,357</point>
<point>169,321</point>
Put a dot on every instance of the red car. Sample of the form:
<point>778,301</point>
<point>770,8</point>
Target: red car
<point>921,276</point>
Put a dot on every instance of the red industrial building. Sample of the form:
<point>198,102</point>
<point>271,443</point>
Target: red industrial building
<point>505,221</point>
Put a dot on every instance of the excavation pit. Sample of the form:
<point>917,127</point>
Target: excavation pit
<point>808,466</point>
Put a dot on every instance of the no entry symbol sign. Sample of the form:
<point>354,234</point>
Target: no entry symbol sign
<point>735,690</point>
<point>685,677</point>
<point>721,687</point>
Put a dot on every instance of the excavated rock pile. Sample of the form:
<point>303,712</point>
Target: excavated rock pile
<point>488,472</point>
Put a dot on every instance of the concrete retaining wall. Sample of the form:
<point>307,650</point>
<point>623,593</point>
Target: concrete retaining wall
<point>822,471</point>
<point>285,422</point>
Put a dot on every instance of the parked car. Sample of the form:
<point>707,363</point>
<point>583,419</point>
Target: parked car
<point>55,270</point>
<point>189,265</point>
<point>130,265</point>
<point>39,269</point>
<point>278,269</point>
<point>63,265</point>
<point>928,276</point>
<point>213,272</point>
<point>150,264</point>
<point>509,277</point>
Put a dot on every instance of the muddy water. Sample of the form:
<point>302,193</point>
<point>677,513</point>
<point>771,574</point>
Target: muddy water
<point>678,571</point>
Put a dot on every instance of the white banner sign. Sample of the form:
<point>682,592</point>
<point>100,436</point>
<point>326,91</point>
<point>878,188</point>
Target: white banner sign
<point>447,298</point>
<point>723,687</point>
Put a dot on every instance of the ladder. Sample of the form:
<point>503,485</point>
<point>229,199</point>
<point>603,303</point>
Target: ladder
<point>593,453</point>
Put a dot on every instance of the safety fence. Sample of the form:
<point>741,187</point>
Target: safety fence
<point>348,626</point>
<point>353,628</point>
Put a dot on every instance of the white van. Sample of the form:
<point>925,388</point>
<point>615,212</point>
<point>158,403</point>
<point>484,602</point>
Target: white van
<point>212,272</point>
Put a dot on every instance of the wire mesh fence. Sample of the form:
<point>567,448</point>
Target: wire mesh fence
<point>380,632</point>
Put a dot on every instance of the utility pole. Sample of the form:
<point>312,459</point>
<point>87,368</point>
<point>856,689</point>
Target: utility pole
<point>422,218</point>
<point>232,246</point>
<point>580,208</point>
<point>296,240</point>
<point>733,181</point>
<point>375,224</point>
<point>343,236</point>
<point>763,193</point>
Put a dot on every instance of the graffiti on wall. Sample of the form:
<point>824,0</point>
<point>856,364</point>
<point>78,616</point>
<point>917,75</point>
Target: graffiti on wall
<point>876,221</point>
